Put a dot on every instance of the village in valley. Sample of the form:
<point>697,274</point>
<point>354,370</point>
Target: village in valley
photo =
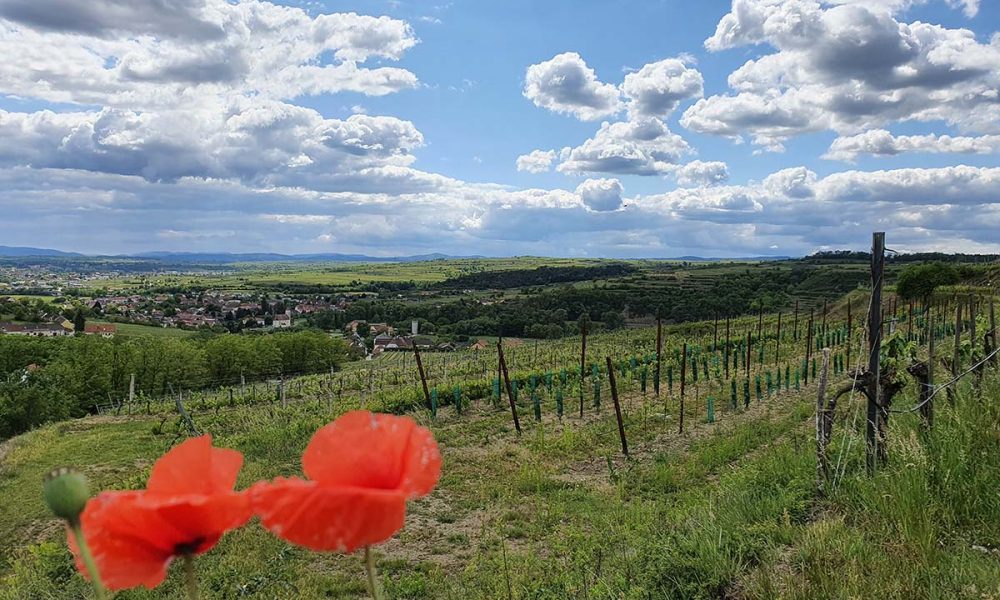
<point>40,301</point>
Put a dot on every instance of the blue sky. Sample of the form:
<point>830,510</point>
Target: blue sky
<point>659,128</point>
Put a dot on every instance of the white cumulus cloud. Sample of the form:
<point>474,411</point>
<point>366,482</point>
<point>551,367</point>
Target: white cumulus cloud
<point>642,146</point>
<point>701,173</point>
<point>879,142</point>
<point>847,68</point>
<point>601,194</point>
<point>565,84</point>
<point>536,161</point>
<point>659,87</point>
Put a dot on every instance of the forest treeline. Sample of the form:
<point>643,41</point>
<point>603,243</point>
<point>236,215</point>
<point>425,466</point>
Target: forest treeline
<point>51,379</point>
<point>544,275</point>
<point>554,311</point>
<point>914,257</point>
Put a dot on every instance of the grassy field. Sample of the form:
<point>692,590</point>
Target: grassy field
<point>726,509</point>
<point>249,276</point>
<point>133,330</point>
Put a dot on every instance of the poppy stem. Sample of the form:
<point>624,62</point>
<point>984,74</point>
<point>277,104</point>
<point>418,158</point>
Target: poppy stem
<point>374,586</point>
<point>190,579</point>
<point>88,560</point>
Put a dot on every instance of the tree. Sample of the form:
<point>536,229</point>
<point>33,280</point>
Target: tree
<point>613,319</point>
<point>79,322</point>
<point>918,282</point>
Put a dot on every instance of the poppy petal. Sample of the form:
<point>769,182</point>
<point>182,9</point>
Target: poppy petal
<point>117,531</point>
<point>422,464</point>
<point>374,451</point>
<point>201,520</point>
<point>328,518</point>
<point>195,467</point>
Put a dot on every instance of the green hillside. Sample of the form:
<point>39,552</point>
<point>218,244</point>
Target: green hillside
<point>724,509</point>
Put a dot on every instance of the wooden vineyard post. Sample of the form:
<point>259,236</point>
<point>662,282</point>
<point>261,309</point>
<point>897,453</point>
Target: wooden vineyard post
<point>810,340</point>
<point>909,323</point>
<point>583,358</point>
<point>184,414</point>
<point>795,333</point>
<point>746,366</point>
<point>683,381</point>
<point>760,321</point>
<point>618,408</point>
<point>956,361</point>
<point>726,353</point>
<point>805,369</point>
<point>499,370</point>
<point>850,325</point>
<point>510,391</point>
<point>972,319</point>
<point>927,406</point>
<point>659,350</point>
<point>874,346</point>
<point>777,349</point>
<point>822,465</point>
<point>993,328</point>
<point>824,320</point>
<point>715,333</point>
<point>131,392</point>
<point>423,375</point>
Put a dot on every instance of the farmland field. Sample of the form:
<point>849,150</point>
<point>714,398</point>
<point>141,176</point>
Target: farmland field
<point>128,330</point>
<point>248,276</point>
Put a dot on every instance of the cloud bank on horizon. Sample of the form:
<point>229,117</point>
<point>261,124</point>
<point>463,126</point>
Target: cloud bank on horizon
<point>208,125</point>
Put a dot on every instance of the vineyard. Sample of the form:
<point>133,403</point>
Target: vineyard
<point>671,461</point>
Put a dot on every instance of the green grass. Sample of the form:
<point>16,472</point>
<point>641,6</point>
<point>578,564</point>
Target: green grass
<point>134,330</point>
<point>249,276</point>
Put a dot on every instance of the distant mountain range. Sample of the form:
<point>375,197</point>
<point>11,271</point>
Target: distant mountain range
<point>25,251</point>
<point>264,257</point>
<point>232,257</point>
<point>227,257</point>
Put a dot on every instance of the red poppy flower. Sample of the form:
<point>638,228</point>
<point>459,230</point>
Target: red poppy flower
<point>187,505</point>
<point>362,468</point>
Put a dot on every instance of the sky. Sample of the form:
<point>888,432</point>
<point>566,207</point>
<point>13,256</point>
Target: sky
<point>591,128</point>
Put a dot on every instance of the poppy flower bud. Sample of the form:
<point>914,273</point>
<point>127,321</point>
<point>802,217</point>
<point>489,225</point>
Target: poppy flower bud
<point>66,492</point>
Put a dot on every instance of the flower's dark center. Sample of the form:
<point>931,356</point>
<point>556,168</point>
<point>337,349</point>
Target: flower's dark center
<point>186,548</point>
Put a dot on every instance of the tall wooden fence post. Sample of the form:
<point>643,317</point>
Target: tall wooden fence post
<point>715,333</point>
<point>993,329</point>
<point>956,362</point>
<point>874,348</point>
<point>850,330</point>
<point>659,350</point>
<point>777,349</point>
<point>184,413</point>
<point>926,398</point>
<point>583,359</point>
<point>684,361</point>
<point>131,391</point>
<point>726,353</point>
<point>618,408</point>
<point>822,464</point>
<point>795,333</point>
<point>749,346</point>
<point>809,343</point>
<point>510,391</point>
<point>423,376</point>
